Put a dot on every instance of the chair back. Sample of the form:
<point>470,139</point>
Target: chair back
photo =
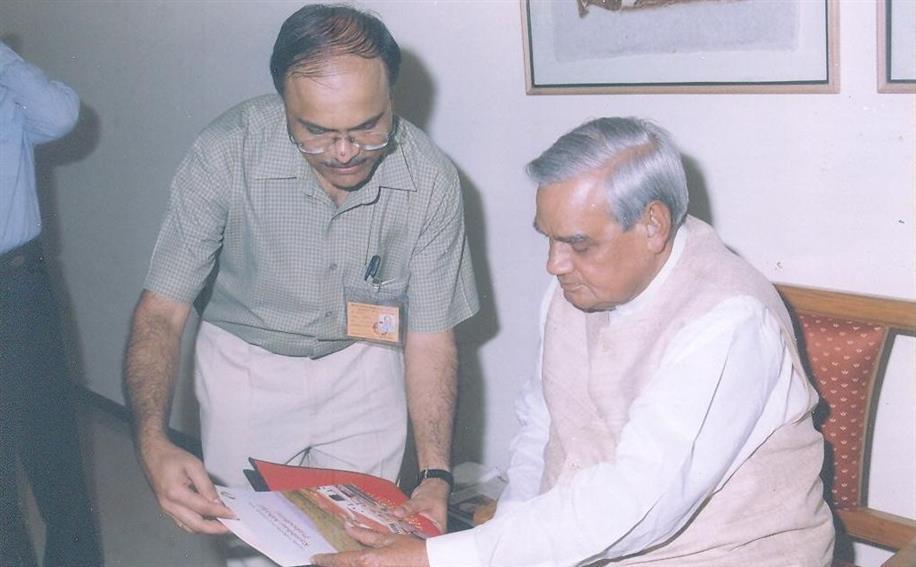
<point>845,341</point>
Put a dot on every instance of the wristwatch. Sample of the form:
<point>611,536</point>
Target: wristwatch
<point>437,473</point>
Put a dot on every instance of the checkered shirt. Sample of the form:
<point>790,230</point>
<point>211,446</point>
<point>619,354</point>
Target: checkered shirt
<point>248,217</point>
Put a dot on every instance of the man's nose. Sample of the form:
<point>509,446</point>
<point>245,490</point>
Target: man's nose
<point>344,149</point>
<point>557,259</point>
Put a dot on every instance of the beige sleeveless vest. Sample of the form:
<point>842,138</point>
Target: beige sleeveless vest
<point>771,511</point>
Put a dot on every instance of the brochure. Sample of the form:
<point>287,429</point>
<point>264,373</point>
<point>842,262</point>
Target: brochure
<point>304,511</point>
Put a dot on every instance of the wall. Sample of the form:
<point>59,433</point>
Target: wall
<point>812,189</point>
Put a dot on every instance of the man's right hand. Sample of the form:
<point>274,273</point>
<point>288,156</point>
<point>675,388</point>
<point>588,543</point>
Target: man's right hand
<point>178,478</point>
<point>183,488</point>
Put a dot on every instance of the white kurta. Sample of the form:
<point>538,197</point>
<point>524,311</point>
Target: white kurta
<point>679,445</point>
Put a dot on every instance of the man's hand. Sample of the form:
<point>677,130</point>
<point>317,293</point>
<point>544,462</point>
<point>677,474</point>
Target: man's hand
<point>183,488</point>
<point>387,550</point>
<point>431,363</point>
<point>430,498</point>
<point>181,484</point>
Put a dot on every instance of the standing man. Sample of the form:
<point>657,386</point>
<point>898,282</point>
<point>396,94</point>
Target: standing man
<point>335,235</point>
<point>37,422</point>
<point>670,423</point>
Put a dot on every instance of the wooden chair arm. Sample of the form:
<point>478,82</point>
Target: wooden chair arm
<point>485,512</point>
<point>896,313</point>
<point>906,557</point>
<point>880,528</point>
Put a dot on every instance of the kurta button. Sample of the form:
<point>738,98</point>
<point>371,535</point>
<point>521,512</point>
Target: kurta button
<point>332,267</point>
<point>328,314</point>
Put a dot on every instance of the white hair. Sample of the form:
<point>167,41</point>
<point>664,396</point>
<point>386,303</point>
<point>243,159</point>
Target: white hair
<point>644,165</point>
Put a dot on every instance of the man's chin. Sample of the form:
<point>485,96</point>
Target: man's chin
<point>347,179</point>
<point>575,299</point>
<point>348,182</point>
<point>350,187</point>
<point>583,301</point>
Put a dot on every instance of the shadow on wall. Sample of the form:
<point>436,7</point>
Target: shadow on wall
<point>12,41</point>
<point>414,96</point>
<point>75,146</point>
<point>470,421</point>
<point>471,335</point>
<point>414,92</point>
<point>696,186</point>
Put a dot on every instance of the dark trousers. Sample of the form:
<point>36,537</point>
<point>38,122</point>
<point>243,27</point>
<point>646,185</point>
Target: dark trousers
<point>37,422</point>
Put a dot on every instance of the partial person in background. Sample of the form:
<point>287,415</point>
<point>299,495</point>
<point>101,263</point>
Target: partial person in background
<point>37,422</point>
<point>335,233</point>
<point>670,423</point>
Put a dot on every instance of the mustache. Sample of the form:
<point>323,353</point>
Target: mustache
<point>334,164</point>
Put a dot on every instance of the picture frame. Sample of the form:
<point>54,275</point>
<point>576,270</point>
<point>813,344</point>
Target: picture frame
<point>730,47</point>
<point>896,25</point>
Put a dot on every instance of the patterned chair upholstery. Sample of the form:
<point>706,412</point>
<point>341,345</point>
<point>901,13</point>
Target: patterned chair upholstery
<point>845,340</point>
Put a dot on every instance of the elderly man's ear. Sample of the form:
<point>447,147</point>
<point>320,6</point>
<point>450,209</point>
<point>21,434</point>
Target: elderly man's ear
<point>656,220</point>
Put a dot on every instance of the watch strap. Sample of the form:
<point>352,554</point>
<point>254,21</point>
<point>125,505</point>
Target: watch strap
<point>441,474</point>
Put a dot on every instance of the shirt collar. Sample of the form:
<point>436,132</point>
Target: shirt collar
<point>279,158</point>
<point>646,295</point>
<point>394,171</point>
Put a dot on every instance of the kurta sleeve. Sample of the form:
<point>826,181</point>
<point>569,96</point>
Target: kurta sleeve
<point>526,463</point>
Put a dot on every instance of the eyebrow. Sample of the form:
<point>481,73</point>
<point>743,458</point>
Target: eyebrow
<point>365,124</point>
<point>571,239</point>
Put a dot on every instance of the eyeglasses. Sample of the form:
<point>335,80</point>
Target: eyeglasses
<point>366,140</point>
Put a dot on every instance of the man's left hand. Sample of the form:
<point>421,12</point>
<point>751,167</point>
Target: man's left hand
<point>430,498</point>
<point>386,550</point>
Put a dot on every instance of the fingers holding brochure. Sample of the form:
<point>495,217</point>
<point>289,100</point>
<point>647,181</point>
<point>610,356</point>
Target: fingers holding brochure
<point>384,549</point>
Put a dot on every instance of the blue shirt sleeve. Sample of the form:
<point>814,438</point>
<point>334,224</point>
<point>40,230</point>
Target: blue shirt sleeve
<point>49,108</point>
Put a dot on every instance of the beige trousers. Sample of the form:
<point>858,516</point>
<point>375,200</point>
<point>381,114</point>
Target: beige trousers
<point>346,410</point>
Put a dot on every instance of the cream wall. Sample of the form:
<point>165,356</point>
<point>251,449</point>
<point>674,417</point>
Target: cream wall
<point>812,189</point>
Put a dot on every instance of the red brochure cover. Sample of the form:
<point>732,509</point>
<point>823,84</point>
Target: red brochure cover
<point>277,477</point>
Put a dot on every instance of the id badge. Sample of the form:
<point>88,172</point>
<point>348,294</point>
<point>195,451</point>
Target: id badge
<point>377,312</point>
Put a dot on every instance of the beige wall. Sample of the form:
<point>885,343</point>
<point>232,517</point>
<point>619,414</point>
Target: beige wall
<point>812,189</point>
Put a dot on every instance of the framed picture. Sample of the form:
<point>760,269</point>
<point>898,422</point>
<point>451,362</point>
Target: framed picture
<point>680,46</point>
<point>896,46</point>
